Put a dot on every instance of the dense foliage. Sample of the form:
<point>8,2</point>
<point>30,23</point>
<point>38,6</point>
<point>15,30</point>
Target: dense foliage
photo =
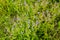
<point>29,20</point>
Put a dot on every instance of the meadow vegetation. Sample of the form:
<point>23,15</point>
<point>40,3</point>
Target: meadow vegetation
<point>29,20</point>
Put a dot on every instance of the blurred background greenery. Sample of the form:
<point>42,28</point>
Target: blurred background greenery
<point>29,19</point>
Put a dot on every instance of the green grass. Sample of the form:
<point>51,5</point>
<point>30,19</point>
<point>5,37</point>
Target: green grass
<point>29,20</point>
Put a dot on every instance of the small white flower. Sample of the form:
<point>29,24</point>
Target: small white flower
<point>37,22</point>
<point>38,12</point>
